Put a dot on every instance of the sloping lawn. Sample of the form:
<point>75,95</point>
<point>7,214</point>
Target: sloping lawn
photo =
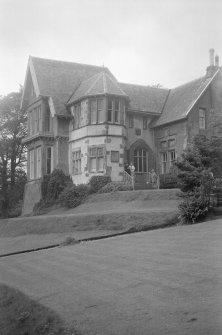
<point>19,315</point>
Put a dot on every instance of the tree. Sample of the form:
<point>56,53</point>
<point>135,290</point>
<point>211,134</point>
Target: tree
<point>12,154</point>
<point>200,161</point>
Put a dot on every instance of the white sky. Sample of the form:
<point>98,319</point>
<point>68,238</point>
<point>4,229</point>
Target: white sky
<point>141,41</point>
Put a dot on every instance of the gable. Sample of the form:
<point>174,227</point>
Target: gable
<point>182,99</point>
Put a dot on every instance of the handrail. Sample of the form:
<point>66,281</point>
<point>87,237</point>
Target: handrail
<point>127,178</point>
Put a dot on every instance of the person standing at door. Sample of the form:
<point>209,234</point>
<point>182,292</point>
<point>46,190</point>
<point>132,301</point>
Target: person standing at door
<point>132,173</point>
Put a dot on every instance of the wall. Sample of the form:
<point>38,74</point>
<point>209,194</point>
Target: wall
<point>111,137</point>
<point>146,134</point>
<point>32,195</point>
<point>176,132</point>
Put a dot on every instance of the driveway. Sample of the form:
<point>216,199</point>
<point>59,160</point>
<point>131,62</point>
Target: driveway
<point>159,282</point>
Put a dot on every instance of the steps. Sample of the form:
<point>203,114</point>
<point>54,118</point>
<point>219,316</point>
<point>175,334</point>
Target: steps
<point>143,186</point>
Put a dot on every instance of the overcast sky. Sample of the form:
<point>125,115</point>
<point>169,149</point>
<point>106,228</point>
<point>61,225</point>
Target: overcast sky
<point>141,41</point>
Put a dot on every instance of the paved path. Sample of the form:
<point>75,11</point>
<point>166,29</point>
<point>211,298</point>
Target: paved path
<point>160,282</point>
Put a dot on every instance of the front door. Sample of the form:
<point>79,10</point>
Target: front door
<point>140,160</point>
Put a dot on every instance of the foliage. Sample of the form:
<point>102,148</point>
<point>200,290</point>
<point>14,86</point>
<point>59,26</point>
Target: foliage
<point>12,151</point>
<point>194,207</point>
<point>97,182</point>
<point>114,186</point>
<point>56,184</point>
<point>196,178</point>
<point>44,185</point>
<point>168,181</point>
<point>73,195</point>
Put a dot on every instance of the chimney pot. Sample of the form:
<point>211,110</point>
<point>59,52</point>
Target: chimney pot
<point>211,51</point>
<point>217,61</point>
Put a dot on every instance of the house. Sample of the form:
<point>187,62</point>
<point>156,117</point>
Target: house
<point>85,122</point>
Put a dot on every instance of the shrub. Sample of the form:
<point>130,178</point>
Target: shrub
<point>113,187</point>
<point>193,208</point>
<point>97,182</point>
<point>73,195</point>
<point>168,180</point>
<point>57,183</point>
<point>44,185</point>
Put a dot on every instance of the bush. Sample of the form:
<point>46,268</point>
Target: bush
<point>113,187</point>
<point>168,180</point>
<point>97,182</point>
<point>44,185</point>
<point>57,183</point>
<point>73,195</point>
<point>193,208</point>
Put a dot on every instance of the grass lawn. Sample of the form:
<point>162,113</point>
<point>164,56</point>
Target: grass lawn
<point>19,315</point>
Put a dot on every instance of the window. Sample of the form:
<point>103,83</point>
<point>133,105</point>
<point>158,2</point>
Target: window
<point>35,120</point>
<point>76,162</point>
<point>114,110</point>
<point>115,156</point>
<point>48,160</point>
<point>140,160</point>
<point>39,162</point>
<point>117,110</point>
<point>202,116</point>
<point>164,162</point>
<point>145,123</point>
<point>131,121</point>
<point>172,156</point>
<point>47,119</point>
<point>96,159</point>
<point>110,110</point>
<point>32,163</point>
<point>93,112</point>
<point>96,111</point>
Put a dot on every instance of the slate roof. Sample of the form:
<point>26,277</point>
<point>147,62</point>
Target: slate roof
<point>99,84</point>
<point>181,99</point>
<point>59,79</point>
<point>145,98</point>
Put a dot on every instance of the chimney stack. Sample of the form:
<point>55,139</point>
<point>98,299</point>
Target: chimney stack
<point>211,52</point>
<point>217,61</point>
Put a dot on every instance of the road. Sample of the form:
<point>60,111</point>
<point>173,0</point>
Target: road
<point>152,283</point>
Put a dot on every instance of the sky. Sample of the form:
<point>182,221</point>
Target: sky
<point>145,42</point>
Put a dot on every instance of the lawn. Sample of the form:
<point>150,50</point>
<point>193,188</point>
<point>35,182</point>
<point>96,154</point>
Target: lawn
<point>19,315</point>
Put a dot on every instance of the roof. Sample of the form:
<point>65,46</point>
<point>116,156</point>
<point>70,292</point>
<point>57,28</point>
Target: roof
<point>59,79</point>
<point>181,99</point>
<point>99,84</point>
<point>145,98</point>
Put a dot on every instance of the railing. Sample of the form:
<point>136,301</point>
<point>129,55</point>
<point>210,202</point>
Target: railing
<point>127,178</point>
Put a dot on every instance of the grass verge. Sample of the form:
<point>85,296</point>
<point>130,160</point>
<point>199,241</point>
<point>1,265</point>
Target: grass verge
<point>19,315</point>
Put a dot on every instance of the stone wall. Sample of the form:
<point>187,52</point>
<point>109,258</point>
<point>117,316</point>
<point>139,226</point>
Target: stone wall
<point>32,195</point>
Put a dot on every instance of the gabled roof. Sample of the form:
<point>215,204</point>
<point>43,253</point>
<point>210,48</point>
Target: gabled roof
<point>58,79</point>
<point>182,99</point>
<point>99,84</point>
<point>145,98</point>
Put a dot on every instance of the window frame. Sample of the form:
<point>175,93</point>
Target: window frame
<point>202,118</point>
<point>172,161</point>
<point>164,162</point>
<point>131,121</point>
<point>49,158</point>
<point>97,156</point>
<point>77,161</point>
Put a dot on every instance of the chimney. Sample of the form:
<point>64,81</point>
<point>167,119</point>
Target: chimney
<point>217,61</point>
<point>211,52</point>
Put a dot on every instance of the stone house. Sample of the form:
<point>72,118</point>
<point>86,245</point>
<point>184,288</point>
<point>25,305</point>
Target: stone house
<point>82,120</point>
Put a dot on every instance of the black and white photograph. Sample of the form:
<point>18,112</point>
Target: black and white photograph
<point>110,167</point>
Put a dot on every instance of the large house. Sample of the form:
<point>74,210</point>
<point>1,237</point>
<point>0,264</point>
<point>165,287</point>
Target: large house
<point>85,122</point>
